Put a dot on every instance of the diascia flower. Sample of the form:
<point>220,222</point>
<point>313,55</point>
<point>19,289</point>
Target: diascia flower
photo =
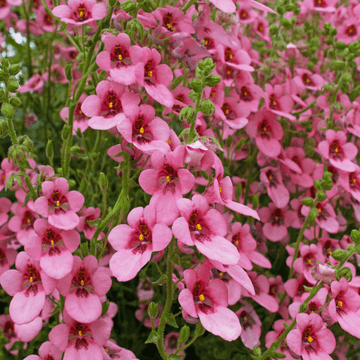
<point>80,12</point>
<point>136,242</point>
<point>59,204</point>
<point>209,302</point>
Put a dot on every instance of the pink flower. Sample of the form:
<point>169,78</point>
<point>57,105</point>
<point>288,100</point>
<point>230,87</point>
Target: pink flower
<point>136,242</point>
<point>35,83</point>
<point>167,182</point>
<point>47,351</point>
<point>53,248</point>
<point>338,151</point>
<point>208,301</point>
<point>59,204</point>
<point>311,339</point>
<point>226,6</point>
<point>266,131</point>
<point>113,351</point>
<point>5,8</point>
<point>147,132</point>
<point>251,326</point>
<point>106,108</point>
<point>80,12</point>
<point>80,340</point>
<point>344,307</point>
<point>205,229</point>
<point>5,206</point>
<point>7,256</point>
<point>83,288</point>
<point>145,290</point>
<point>171,343</point>
<point>324,272</point>
<point>28,285</point>
<point>80,119</point>
<point>88,214</point>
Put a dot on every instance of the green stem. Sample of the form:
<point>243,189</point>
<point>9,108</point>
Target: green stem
<point>30,72</point>
<point>188,5</point>
<point>168,303</point>
<point>197,109</point>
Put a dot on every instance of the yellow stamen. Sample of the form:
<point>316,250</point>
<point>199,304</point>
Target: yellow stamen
<point>80,333</point>
<point>270,177</point>
<point>150,73</point>
<point>80,112</point>
<point>82,282</point>
<point>111,105</point>
<point>58,203</point>
<point>106,350</point>
<point>141,237</point>
<point>309,261</point>
<point>310,339</point>
<point>228,72</point>
<point>245,318</point>
<point>236,243</point>
<point>52,242</point>
<point>201,297</point>
<point>329,251</point>
<point>220,189</point>
<point>31,279</point>
<point>221,274</point>
<point>340,303</point>
<point>336,150</point>
<point>354,181</point>
<point>198,227</point>
<point>319,211</point>
<point>230,56</point>
<point>168,178</point>
<point>284,341</point>
<point>264,128</point>
<point>276,218</point>
<point>141,130</point>
<point>28,221</point>
<point>120,57</point>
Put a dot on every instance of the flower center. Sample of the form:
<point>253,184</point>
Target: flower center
<point>228,54</point>
<point>81,12</point>
<point>118,52</point>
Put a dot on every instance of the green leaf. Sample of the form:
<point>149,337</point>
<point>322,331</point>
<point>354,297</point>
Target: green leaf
<point>105,307</point>
<point>184,334</point>
<point>153,337</point>
<point>161,280</point>
<point>199,329</point>
<point>175,259</point>
<point>170,319</point>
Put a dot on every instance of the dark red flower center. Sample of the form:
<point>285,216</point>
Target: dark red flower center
<point>243,15</point>
<point>228,54</point>
<point>245,94</point>
<point>168,19</point>
<point>351,31</point>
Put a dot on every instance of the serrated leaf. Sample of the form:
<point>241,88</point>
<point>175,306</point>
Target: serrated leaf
<point>153,337</point>
<point>170,319</point>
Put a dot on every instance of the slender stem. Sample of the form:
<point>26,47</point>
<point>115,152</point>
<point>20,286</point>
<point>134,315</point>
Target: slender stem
<point>169,293</point>
<point>192,126</point>
<point>30,71</point>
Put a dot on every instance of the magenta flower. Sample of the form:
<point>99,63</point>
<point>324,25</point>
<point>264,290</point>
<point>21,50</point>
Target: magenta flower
<point>147,132</point>
<point>80,119</point>
<point>88,214</point>
<point>350,181</point>
<point>28,285</point>
<point>338,151</point>
<point>47,351</point>
<point>272,179</point>
<point>7,256</point>
<point>167,182</point>
<point>344,307</point>
<point>250,94</point>
<point>5,206</point>
<point>53,248</point>
<point>278,103</point>
<point>80,340</point>
<point>35,83</point>
<point>106,107</point>
<point>209,302</point>
<point>144,290</point>
<point>311,339</point>
<point>251,326</point>
<point>83,288</point>
<point>59,204</point>
<point>266,131</point>
<point>112,351</point>
<point>276,221</point>
<point>171,343</point>
<point>205,229</point>
<point>6,6</point>
<point>155,77</point>
<point>136,242</point>
<point>80,12</point>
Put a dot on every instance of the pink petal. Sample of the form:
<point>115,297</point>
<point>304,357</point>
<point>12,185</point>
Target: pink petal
<point>161,237</point>
<point>186,300</point>
<point>28,332</point>
<point>66,221</point>
<point>161,94</point>
<point>57,265</point>
<point>101,283</point>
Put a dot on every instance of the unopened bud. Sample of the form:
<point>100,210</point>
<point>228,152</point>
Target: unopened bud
<point>196,85</point>
<point>15,102</point>
<point>153,310</point>
<point>212,80</point>
<point>14,69</point>
<point>7,110</point>
<point>12,86</point>
<point>339,254</point>
<point>49,151</point>
<point>103,181</point>
<point>324,272</point>
<point>355,236</point>
<point>207,107</point>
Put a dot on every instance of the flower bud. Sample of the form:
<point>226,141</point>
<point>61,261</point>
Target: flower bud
<point>339,254</point>
<point>317,184</point>
<point>313,214</point>
<point>344,272</point>
<point>196,85</point>
<point>7,110</point>
<point>187,113</point>
<point>321,195</point>
<point>2,94</point>
<point>286,23</point>
<point>328,41</point>
<point>324,272</point>
<point>207,107</point>
<point>192,95</point>
<point>212,80</point>
<point>49,151</point>
<point>4,63</point>
<point>68,73</point>
<point>338,64</point>
<point>15,102</point>
<point>355,236</point>
<point>12,86</point>
<point>184,334</point>
<point>4,130</point>
<point>308,202</point>
<point>153,310</point>
<point>3,76</point>
<point>65,132</point>
<point>14,69</point>
<point>103,182</point>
